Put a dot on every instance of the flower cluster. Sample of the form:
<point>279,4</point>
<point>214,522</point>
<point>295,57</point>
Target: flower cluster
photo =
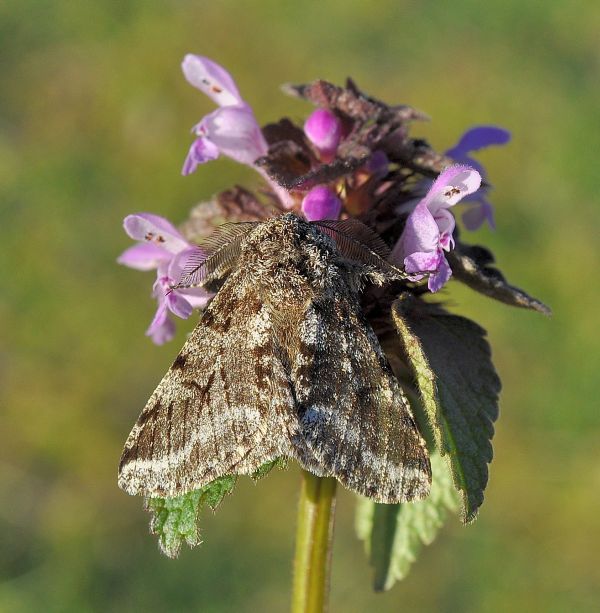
<point>350,171</point>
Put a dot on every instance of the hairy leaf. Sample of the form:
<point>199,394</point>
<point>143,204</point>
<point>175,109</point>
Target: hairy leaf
<point>175,520</point>
<point>213,493</point>
<point>471,264</point>
<point>395,533</point>
<point>451,363</point>
<point>266,468</point>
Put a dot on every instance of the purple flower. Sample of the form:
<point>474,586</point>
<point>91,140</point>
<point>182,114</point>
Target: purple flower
<point>474,139</point>
<point>321,203</point>
<point>429,228</point>
<point>162,247</point>
<point>324,130</point>
<point>232,129</point>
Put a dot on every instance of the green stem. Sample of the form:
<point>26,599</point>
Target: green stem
<point>314,541</point>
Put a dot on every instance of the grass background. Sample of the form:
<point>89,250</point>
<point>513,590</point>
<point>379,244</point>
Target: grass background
<point>94,124</point>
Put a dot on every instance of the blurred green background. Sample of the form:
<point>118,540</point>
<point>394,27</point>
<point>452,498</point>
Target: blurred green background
<point>94,124</point>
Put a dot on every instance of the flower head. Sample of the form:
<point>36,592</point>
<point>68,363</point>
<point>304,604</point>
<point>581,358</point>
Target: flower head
<point>232,129</point>
<point>480,209</point>
<point>162,247</point>
<point>321,203</point>
<point>429,228</point>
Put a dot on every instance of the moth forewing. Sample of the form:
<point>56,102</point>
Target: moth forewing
<point>221,407</point>
<point>353,415</point>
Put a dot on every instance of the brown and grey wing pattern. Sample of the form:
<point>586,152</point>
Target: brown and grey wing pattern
<point>353,414</point>
<point>282,363</point>
<point>223,407</point>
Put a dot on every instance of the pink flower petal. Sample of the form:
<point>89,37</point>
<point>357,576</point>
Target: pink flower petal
<point>162,332</point>
<point>321,203</point>
<point>211,79</point>
<point>162,272</point>
<point>144,256</point>
<point>201,151</point>
<point>324,130</point>
<point>236,133</point>
<point>196,296</point>
<point>156,230</point>
<point>159,318</point>
<point>420,235</point>
<point>452,185</point>
<point>422,261</point>
<point>439,278</point>
<point>178,305</point>
<point>445,222</point>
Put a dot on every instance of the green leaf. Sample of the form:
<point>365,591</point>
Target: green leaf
<point>175,520</point>
<point>215,491</point>
<point>451,363</point>
<point>266,468</point>
<point>395,533</point>
<point>471,264</point>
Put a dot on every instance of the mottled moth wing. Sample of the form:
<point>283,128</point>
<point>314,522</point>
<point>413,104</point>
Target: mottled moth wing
<point>221,408</point>
<point>353,415</point>
<point>282,363</point>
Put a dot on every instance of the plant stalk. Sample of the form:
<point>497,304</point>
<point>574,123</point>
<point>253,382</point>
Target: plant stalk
<point>314,543</point>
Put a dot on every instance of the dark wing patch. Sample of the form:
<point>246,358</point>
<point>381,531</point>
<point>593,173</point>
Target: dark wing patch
<point>358,426</point>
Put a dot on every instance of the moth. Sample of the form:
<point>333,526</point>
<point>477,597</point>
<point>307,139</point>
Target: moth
<point>283,363</point>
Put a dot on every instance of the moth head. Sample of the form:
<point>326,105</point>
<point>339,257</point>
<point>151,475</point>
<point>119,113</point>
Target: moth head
<point>287,239</point>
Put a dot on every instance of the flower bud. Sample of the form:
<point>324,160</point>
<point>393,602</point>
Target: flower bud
<point>321,203</point>
<point>378,163</point>
<point>324,130</point>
